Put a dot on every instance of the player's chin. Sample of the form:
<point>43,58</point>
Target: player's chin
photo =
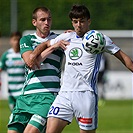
<point>46,30</point>
<point>80,32</point>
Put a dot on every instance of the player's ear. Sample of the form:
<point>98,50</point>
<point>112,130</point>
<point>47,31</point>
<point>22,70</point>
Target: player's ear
<point>34,22</point>
<point>89,21</point>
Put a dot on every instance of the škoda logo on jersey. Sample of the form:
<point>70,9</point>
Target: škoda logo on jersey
<point>75,53</point>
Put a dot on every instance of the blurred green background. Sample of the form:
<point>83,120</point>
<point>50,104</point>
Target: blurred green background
<point>105,14</point>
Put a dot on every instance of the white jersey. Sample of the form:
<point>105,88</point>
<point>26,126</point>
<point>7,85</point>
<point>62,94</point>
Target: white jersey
<point>81,68</point>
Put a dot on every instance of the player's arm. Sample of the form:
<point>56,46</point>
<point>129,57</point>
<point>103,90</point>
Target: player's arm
<point>39,49</point>
<point>26,58</point>
<point>125,59</point>
<point>3,59</point>
<point>34,58</point>
<point>43,55</point>
<point>51,45</point>
<point>30,57</point>
<point>26,49</point>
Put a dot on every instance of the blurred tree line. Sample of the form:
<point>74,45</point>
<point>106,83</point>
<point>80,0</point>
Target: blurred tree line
<point>105,14</point>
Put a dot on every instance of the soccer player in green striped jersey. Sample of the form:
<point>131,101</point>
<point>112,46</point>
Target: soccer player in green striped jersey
<point>12,63</point>
<point>41,85</point>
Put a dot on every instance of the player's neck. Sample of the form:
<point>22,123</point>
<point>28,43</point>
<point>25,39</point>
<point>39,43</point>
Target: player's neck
<point>42,35</point>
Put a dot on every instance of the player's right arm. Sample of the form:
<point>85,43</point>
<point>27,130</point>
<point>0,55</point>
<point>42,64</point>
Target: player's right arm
<point>26,49</point>
<point>33,57</point>
<point>40,58</point>
<point>59,41</point>
<point>61,44</point>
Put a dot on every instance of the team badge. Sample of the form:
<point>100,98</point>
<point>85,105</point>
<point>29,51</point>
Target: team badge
<point>75,53</point>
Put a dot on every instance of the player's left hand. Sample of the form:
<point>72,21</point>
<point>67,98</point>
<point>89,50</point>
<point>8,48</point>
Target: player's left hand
<point>67,31</point>
<point>62,44</point>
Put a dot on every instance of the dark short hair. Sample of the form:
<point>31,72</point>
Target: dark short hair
<point>17,33</point>
<point>45,9</point>
<point>79,11</point>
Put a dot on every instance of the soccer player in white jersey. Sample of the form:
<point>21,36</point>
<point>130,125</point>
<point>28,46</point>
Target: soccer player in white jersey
<point>41,85</point>
<point>12,63</point>
<point>78,94</point>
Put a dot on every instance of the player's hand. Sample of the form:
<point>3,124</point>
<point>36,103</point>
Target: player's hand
<point>67,31</point>
<point>62,44</point>
<point>33,63</point>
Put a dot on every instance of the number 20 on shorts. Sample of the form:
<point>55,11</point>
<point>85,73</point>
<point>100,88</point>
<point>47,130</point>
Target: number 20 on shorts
<point>54,110</point>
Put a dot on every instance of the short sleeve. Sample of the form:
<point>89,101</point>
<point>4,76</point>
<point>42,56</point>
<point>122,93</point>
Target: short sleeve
<point>25,44</point>
<point>110,47</point>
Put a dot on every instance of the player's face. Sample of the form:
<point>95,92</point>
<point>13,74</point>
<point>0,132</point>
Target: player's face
<point>81,25</point>
<point>42,23</point>
<point>14,41</point>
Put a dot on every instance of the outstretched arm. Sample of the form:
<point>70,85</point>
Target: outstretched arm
<point>40,54</point>
<point>62,44</point>
<point>125,59</point>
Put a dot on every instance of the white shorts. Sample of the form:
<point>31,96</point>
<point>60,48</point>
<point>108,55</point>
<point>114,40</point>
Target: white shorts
<point>82,105</point>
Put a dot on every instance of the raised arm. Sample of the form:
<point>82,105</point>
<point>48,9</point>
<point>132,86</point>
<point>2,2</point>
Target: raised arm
<point>62,44</point>
<point>40,54</point>
<point>39,49</point>
<point>125,59</point>
<point>30,62</point>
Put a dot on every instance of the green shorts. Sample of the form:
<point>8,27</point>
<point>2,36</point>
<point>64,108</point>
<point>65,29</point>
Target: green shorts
<point>31,109</point>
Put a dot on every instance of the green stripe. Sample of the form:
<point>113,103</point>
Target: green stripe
<point>58,53</point>
<point>39,73</point>
<point>16,58</point>
<point>16,82</point>
<point>43,85</point>
<point>16,75</point>
<point>52,62</point>
<point>14,90</point>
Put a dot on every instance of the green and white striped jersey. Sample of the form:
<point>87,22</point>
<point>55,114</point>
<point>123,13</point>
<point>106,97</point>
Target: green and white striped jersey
<point>47,78</point>
<point>13,64</point>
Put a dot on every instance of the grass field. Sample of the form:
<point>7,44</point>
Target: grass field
<point>114,117</point>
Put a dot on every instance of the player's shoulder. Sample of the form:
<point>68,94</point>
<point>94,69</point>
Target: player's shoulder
<point>110,47</point>
<point>7,52</point>
<point>52,35</point>
<point>67,35</point>
<point>107,38</point>
<point>10,50</point>
<point>28,37</point>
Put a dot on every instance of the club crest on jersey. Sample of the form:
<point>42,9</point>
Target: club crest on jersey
<point>75,53</point>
